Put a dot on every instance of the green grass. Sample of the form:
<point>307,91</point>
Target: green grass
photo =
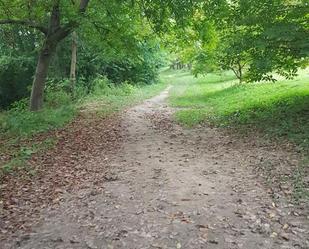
<point>118,98</point>
<point>278,109</point>
<point>24,123</point>
<point>19,124</point>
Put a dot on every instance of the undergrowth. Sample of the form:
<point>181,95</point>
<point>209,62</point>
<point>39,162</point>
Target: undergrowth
<point>18,124</point>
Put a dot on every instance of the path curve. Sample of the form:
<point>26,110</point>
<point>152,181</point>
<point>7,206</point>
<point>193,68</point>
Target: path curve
<point>171,187</point>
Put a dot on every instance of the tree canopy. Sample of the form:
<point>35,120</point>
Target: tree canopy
<point>259,37</point>
<point>125,40</point>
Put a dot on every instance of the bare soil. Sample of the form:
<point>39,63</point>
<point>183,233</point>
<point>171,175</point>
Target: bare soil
<point>170,187</point>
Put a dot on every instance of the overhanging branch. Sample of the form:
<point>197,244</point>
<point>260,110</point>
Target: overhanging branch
<point>27,23</point>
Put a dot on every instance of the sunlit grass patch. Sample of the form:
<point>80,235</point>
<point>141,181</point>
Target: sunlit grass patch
<point>279,109</point>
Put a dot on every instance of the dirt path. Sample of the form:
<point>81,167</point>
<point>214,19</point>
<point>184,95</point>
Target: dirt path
<point>173,188</point>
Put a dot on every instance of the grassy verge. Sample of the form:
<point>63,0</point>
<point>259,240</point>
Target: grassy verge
<point>22,123</point>
<point>20,129</point>
<point>107,101</point>
<point>277,110</point>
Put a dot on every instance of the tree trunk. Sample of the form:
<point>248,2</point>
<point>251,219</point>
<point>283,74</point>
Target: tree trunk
<point>73,63</point>
<point>37,93</point>
<point>54,33</point>
<point>240,73</point>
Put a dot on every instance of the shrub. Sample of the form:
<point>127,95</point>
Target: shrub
<point>15,78</point>
<point>56,99</point>
<point>127,88</point>
<point>101,86</point>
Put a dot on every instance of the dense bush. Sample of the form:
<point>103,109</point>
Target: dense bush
<point>20,121</point>
<point>144,71</point>
<point>15,78</point>
<point>103,86</point>
<point>16,73</point>
<point>141,66</point>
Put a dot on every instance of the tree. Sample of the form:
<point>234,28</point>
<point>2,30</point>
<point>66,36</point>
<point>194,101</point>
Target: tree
<point>279,34</point>
<point>56,19</point>
<point>270,35</point>
<point>233,52</point>
<point>53,32</point>
<point>256,38</point>
<point>17,63</point>
<point>47,20</point>
<point>73,63</point>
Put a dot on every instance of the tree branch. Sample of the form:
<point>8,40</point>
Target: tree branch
<point>64,31</point>
<point>27,23</point>
<point>54,22</point>
<point>235,72</point>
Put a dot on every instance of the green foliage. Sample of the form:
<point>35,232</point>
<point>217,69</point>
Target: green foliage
<point>17,63</point>
<point>58,111</point>
<point>104,87</point>
<point>107,97</point>
<point>276,109</point>
<point>15,78</point>
<point>101,85</point>
<point>252,38</point>
<point>144,69</point>
<point>141,65</point>
<point>280,38</point>
<point>204,63</point>
<point>57,94</point>
<point>20,122</point>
